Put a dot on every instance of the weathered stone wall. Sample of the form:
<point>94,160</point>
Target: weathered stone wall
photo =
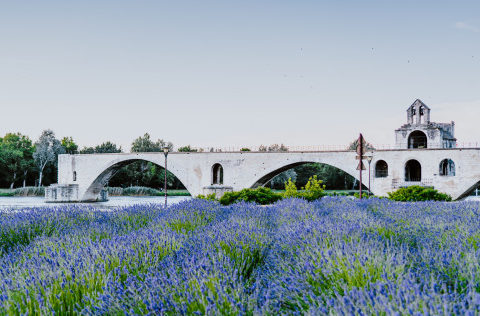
<point>248,169</point>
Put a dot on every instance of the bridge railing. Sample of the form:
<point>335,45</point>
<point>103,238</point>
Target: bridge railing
<point>312,148</point>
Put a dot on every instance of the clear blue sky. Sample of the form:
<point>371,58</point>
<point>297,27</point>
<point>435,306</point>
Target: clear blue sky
<point>223,73</point>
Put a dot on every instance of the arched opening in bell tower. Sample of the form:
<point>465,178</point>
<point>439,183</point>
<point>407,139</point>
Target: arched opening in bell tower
<point>417,139</point>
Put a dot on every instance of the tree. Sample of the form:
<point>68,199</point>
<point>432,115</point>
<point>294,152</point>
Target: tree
<point>87,150</point>
<point>107,147</point>
<point>277,148</point>
<point>16,159</point>
<point>187,149</point>
<point>144,144</point>
<point>278,181</point>
<point>47,149</point>
<point>274,148</point>
<point>366,146</point>
<point>69,145</point>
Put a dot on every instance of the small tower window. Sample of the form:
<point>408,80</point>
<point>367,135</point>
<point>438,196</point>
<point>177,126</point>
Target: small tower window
<point>74,176</point>
<point>217,174</point>
<point>447,168</point>
<point>381,169</point>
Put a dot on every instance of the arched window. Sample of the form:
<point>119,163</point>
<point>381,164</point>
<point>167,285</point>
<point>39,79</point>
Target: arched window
<point>217,174</point>
<point>381,169</point>
<point>413,171</point>
<point>74,176</point>
<point>447,168</point>
<point>417,139</point>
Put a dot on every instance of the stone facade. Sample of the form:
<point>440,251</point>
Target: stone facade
<point>425,155</point>
<point>438,135</point>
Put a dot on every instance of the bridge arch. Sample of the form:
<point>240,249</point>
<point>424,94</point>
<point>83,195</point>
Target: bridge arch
<point>275,171</point>
<point>99,180</point>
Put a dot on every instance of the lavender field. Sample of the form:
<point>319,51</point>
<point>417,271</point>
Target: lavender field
<point>333,256</point>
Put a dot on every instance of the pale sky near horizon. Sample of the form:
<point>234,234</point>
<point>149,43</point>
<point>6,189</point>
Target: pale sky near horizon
<point>234,73</point>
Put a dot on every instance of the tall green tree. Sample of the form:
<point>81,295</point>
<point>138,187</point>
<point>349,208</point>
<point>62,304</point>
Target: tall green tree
<point>16,157</point>
<point>69,145</point>
<point>107,147</point>
<point>145,144</point>
<point>47,149</point>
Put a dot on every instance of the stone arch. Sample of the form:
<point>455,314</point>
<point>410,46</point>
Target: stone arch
<point>276,171</point>
<point>96,186</point>
<point>217,174</point>
<point>413,171</point>
<point>381,169</point>
<point>447,168</point>
<point>417,139</point>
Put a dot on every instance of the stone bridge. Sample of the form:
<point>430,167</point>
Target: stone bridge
<point>450,170</point>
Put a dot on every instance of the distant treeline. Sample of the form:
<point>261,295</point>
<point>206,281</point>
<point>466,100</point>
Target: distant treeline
<point>26,163</point>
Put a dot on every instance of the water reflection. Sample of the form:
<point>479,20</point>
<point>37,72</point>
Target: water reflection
<point>114,201</point>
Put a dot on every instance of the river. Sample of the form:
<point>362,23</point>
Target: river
<point>17,202</point>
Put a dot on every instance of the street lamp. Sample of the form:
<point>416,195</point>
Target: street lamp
<point>165,151</point>
<point>369,159</point>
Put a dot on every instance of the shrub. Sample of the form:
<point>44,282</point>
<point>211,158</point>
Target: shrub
<point>313,190</point>
<point>208,197</point>
<point>290,189</point>
<point>259,195</point>
<point>418,193</point>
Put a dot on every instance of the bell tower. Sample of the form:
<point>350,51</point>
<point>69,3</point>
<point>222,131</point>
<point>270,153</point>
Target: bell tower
<point>421,133</point>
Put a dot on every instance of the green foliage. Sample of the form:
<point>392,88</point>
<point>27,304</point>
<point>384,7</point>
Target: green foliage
<point>144,144</point>
<point>290,189</point>
<point>259,195</point>
<point>245,149</point>
<point>208,197</point>
<point>313,190</point>
<point>418,193</point>
<point>69,145</point>
<point>16,158</point>
<point>187,149</point>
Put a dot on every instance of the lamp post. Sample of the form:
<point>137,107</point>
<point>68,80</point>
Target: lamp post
<point>369,159</point>
<point>165,151</point>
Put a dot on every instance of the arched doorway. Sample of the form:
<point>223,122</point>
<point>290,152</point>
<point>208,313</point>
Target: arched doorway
<point>413,171</point>
<point>447,168</point>
<point>381,169</point>
<point>417,139</point>
<point>217,174</point>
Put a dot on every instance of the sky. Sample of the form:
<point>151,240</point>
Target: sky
<point>237,73</point>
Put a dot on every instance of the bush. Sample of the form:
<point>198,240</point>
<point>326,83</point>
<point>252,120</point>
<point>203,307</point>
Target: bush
<point>418,193</point>
<point>259,195</point>
<point>208,197</point>
<point>313,190</point>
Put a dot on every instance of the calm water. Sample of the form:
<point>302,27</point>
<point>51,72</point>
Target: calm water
<point>114,201</point>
